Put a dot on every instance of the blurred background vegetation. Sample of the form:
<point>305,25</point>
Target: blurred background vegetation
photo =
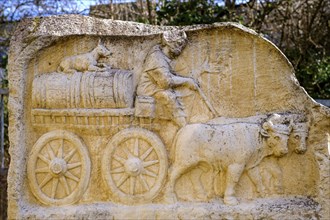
<point>300,28</point>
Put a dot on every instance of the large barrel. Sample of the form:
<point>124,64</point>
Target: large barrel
<point>111,89</point>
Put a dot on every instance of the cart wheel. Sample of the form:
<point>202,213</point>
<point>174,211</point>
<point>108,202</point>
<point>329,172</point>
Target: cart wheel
<point>134,166</point>
<point>58,168</point>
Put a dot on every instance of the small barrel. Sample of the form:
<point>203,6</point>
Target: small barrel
<point>111,89</point>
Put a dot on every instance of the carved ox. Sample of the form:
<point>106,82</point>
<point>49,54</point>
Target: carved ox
<point>232,148</point>
<point>298,137</point>
<point>273,175</point>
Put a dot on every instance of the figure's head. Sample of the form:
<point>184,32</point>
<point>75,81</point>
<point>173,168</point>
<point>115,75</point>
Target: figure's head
<point>175,41</point>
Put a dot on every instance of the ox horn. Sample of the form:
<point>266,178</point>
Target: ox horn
<point>266,126</point>
<point>291,125</point>
<point>264,133</point>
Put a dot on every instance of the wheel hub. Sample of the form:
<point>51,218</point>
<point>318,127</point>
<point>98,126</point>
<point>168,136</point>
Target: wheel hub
<point>58,166</point>
<point>133,166</point>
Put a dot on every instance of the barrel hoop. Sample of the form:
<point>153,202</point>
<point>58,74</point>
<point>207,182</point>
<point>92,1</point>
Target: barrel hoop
<point>77,80</point>
<point>91,90</point>
<point>115,88</point>
<point>72,91</point>
<point>120,84</point>
<point>84,90</point>
<point>43,93</point>
<point>68,94</point>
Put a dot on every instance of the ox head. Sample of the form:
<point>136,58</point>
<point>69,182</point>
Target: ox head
<point>298,137</point>
<point>277,135</point>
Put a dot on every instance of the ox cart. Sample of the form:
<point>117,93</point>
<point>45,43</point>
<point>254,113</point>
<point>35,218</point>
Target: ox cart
<point>134,161</point>
<point>67,109</point>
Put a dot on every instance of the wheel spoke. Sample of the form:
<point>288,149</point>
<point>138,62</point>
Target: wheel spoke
<point>60,150</point>
<point>64,182</point>
<point>128,153</point>
<point>132,185</point>
<point>150,173</point>
<point>147,153</point>
<point>119,159</point>
<point>136,147</point>
<point>73,165</point>
<point>43,158</point>
<point>42,170</point>
<point>150,163</point>
<point>45,180</point>
<point>118,170</point>
<point>54,187</point>
<point>123,179</point>
<point>69,175</point>
<point>50,152</point>
<point>144,182</point>
<point>70,155</point>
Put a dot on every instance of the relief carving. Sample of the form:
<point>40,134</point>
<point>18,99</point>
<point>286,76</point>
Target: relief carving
<point>134,166</point>
<point>86,97</point>
<point>92,90</point>
<point>85,62</point>
<point>272,175</point>
<point>158,80</point>
<point>142,128</point>
<point>218,146</point>
<point>59,168</point>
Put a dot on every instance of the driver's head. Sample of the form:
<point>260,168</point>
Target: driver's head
<point>175,40</point>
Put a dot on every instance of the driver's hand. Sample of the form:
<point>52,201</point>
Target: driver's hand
<point>192,84</point>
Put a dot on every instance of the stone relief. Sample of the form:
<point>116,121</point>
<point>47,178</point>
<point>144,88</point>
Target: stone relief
<point>153,130</point>
<point>135,161</point>
<point>158,80</point>
<point>137,157</point>
<point>59,168</point>
<point>218,145</point>
<point>85,62</point>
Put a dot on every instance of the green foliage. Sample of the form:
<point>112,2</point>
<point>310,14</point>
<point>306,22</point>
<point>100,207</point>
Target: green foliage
<point>3,174</point>
<point>4,84</point>
<point>173,12</point>
<point>315,77</point>
<point>304,39</point>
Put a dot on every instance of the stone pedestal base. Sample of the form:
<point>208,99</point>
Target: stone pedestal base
<point>274,208</point>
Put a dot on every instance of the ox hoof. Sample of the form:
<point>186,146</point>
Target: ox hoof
<point>170,198</point>
<point>279,190</point>
<point>201,197</point>
<point>230,200</point>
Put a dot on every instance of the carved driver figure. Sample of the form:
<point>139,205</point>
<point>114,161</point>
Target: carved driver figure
<point>158,80</point>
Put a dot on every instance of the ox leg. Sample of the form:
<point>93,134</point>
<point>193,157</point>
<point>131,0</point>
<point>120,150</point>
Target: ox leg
<point>195,177</point>
<point>234,172</point>
<point>277,178</point>
<point>256,179</point>
<point>175,174</point>
<point>70,71</point>
<point>94,68</point>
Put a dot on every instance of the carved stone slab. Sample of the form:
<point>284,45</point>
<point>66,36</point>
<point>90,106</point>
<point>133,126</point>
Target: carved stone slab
<point>120,120</point>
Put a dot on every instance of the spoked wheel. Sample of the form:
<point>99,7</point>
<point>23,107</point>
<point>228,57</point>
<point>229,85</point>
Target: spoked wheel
<point>58,168</point>
<point>134,166</point>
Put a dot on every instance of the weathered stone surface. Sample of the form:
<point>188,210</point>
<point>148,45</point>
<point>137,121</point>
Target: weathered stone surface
<point>112,119</point>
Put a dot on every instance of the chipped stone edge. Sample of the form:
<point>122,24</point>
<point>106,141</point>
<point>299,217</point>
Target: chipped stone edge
<point>31,35</point>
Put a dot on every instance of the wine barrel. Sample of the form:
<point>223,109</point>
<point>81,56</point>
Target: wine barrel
<point>111,89</point>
